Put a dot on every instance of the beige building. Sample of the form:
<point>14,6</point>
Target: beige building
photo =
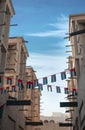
<point>17,75</point>
<point>14,85</point>
<point>16,64</point>
<point>77,39</point>
<point>56,116</point>
<point>33,113</point>
<point>17,102</point>
<point>72,90</point>
<point>51,125</point>
<point>6,12</point>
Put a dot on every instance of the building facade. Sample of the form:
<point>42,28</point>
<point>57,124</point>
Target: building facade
<point>19,104</point>
<point>77,38</point>
<point>33,113</point>
<point>51,125</point>
<point>6,12</point>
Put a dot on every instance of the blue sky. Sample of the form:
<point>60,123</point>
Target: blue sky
<point>44,24</point>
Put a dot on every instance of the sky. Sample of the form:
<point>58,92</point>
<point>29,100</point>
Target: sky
<point>44,24</point>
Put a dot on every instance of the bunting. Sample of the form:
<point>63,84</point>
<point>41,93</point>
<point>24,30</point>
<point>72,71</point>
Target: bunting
<point>66,90</point>
<point>53,78</point>
<point>45,81</point>
<point>35,83</point>
<point>49,87</point>
<point>58,90</point>
<point>63,75</point>
<point>40,87</point>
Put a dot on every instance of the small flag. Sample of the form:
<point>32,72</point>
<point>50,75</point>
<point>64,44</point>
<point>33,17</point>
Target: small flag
<point>45,81</point>
<point>9,80</point>
<point>53,78</point>
<point>74,92</point>
<point>58,90</point>
<point>20,84</point>
<point>66,90</point>
<point>13,88</point>
<point>29,85</point>
<point>36,83</point>
<point>1,90</point>
<point>40,87</point>
<point>49,87</point>
<point>63,75</point>
<point>72,72</point>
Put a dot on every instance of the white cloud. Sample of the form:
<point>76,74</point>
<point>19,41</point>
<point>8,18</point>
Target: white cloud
<point>61,24</point>
<point>45,64</point>
<point>62,18</point>
<point>56,33</point>
<point>61,27</point>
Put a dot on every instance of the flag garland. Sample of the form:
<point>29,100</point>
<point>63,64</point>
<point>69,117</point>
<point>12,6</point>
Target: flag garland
<point>40,87</point>
<point>35,83</point>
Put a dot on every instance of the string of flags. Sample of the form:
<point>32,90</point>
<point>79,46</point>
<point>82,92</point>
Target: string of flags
<point>63,74</point>
<point>13,88</point>
<point>35,83</point>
